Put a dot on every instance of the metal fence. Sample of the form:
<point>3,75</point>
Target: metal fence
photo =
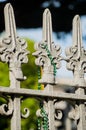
<point>55,102</point>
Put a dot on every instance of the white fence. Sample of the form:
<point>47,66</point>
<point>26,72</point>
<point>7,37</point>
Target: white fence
<point>48,57</point>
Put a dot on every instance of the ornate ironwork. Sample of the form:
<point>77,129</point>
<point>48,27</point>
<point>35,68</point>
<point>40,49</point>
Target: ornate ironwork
<point>48,56</point>
<point>7,109</point>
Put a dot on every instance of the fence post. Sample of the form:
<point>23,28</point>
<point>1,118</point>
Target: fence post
<point>46,55</point>
<point>77,62</point>
<point>13,51</point>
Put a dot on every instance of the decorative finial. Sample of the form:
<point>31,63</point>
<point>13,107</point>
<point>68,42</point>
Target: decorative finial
<point>47,53</point>
<point>47,28</point>
<point>76,55</point>
<point>13,49</point>
<point>10,25</point>
<point>77,34</point>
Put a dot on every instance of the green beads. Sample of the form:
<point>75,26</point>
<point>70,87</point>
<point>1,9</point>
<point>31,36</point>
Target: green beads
<point>43,122</point>
<point>39,124</point>
<point>44,46</point>
<point>39,77</point>
<point>45,119</point>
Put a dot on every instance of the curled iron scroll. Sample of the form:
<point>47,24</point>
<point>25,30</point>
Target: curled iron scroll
<point>7,109</point>
<point>27,113</point>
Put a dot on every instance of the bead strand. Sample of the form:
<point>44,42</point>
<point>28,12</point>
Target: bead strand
<point>50,57</point>
<point>39,77</point>
<point>45,119</point>
<point>39,87</point>
<point>39,124</point>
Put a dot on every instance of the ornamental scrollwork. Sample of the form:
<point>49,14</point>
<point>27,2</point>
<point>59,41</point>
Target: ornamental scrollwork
<point>59,106</point>
<point>12,48</point>
<point>26,113</point>
<point>45,57</point>
<point>76,54</point>
<point>14,56</point>
<point>7,109</point>
<point>74,113</point>
<point>47,54</point>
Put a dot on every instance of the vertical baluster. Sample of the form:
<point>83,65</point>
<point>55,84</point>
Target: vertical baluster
<point>47,53</point>
<point>14,53</point>
<point>48,56</point>
<point>77,63</point>
<point>77,39</point>
<point>14,83</point>
<point>81,124</point>
<point>47,37</point>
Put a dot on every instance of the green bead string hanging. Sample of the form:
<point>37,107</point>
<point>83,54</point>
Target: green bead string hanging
<point>39,87</point>
<point>45,46</point>
<point>39,124</point>
<point>42,122</point>
<point>39,77</point>
<point>45,119</point>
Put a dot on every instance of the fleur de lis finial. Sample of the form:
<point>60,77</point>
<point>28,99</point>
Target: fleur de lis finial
<point>12,48</point>
<point>76,55</point>
<point>47,53</point>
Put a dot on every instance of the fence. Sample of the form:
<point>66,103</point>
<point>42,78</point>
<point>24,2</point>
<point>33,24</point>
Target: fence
<point>48,56</point>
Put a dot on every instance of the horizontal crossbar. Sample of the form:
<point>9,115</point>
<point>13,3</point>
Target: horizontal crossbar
<point>41,93</point>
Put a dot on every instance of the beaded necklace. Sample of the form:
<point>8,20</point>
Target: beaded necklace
<point>45,46</point>
<point>43,122</point>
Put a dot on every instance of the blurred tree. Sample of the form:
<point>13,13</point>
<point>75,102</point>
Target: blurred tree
<point>30,69</point>
<point>31,72</point>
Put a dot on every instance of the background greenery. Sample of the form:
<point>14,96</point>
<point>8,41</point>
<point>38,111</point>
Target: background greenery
<point>30,71</point>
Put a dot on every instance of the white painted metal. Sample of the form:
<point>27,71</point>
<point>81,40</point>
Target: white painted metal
<point>13,51</point>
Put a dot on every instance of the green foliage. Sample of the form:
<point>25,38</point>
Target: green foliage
<point>30,71</point>
<point>31,122</point>
<point>4,74</point>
